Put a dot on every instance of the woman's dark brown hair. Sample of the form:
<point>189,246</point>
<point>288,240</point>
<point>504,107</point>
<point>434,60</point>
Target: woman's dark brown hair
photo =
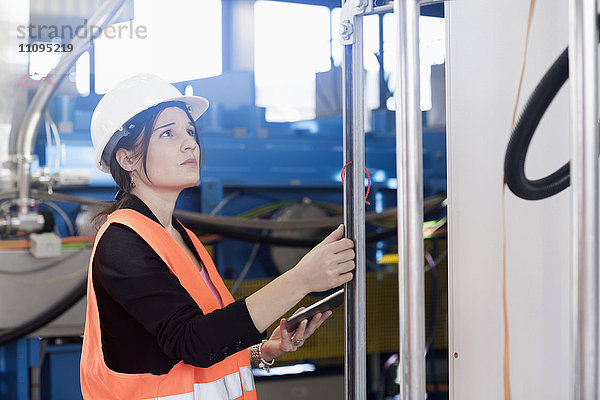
<point>140,129</point>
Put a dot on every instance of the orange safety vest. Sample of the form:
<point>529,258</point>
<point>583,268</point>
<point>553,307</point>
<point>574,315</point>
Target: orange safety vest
<point>229,379</point>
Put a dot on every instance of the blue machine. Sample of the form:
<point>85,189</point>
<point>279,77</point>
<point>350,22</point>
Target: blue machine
<point>31,365</point>
<point>260,162</point>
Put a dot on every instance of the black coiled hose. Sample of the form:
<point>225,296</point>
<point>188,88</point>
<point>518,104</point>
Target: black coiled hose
<point>514,160</point>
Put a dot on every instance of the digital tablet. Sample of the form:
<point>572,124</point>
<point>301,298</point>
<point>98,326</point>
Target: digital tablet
<point>328,303</point>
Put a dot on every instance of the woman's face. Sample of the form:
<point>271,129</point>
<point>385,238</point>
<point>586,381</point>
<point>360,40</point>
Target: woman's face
<point>173,155</point>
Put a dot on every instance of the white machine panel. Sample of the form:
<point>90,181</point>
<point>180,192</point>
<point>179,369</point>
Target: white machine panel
<point>25,295</point>
<point>486,40</point>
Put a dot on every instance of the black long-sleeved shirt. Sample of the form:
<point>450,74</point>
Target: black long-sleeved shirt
<point>148,321</point>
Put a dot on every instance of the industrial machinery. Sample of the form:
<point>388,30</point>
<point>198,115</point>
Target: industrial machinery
<point>268,192</point>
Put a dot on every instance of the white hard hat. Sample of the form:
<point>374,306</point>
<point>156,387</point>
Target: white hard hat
<point>126,100</point>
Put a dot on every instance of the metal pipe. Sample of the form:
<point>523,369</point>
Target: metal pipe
<point>388,8</point>
<point>355,373</point>
<point>409,174</point>
<point>583,67</point>
<point>31,121</point>
<point>384,92</point>
<point>431,203</point>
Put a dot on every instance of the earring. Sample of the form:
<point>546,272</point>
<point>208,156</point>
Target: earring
<point>132,184</point>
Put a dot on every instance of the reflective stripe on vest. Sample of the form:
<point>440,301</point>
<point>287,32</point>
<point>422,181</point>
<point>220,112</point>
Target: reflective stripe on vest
<point>228,387</point>
<point>228,379</point>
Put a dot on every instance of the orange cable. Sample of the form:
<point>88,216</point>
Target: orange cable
<point>531,7</point>
<point>504,302</point>
<point>24,244</point>
<point>78,239</point>
<point>504,306</point>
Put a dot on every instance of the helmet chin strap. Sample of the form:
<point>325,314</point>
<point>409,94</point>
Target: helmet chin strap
<point>108,149</point>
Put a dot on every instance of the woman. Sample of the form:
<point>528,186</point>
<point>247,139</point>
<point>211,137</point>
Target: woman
<point>160,323</point>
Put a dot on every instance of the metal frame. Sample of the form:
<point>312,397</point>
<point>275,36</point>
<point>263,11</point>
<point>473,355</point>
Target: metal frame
<point>583,67</point>
<point>409,191</point>
<point>355,355</point>
<point>409,173</point>
<point>583,64</point>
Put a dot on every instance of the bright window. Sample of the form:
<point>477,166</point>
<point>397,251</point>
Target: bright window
<point>370,48</point>
<point>177,40</point>
<point>291,45</point>
<point>82,74</point>
<point>432,52</point>
<point>41,63</point>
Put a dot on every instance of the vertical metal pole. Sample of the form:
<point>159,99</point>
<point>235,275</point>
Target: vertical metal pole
<point>583,67</point>
<point>383,88</point>
<point>409,169</point>
<point>355,375</point>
